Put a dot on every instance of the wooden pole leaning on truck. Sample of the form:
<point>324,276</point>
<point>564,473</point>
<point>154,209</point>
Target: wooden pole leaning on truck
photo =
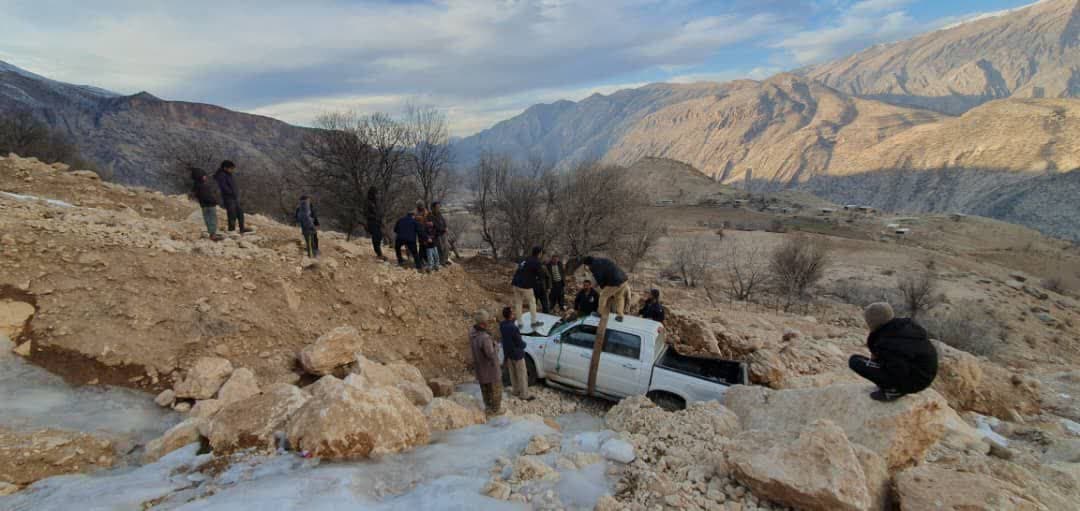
<point>598,348</point>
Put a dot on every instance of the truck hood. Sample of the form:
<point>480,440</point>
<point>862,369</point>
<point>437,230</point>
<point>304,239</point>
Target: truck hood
<point>543,330</point>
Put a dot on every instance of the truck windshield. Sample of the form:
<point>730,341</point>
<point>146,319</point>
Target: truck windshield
<point>559,327</point>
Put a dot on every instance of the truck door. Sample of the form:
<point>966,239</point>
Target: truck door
<point>620,365</point>
<point>570,358</point>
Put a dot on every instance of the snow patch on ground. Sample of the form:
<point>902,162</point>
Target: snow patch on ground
<point>51,202</point>
<point>33,398</point>
<point>449,473</point>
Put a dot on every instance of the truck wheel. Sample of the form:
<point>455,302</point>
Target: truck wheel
<point>669,402</point>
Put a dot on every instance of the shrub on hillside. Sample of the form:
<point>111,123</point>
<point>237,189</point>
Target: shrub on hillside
<point>966,326</point>
<point>796,265</point>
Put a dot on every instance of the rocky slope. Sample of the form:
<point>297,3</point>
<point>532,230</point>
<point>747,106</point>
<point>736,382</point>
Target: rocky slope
<point>566,132</point>
<point>128,290</point>
<point>1031,52</point>
<point>131,137</point>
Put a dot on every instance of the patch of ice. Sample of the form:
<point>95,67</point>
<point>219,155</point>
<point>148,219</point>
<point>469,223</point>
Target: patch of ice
<point>619,450</point>
<point>51,202</point>
<point>985,426</point>
<point>32,398</point>
<point>449,473</point>
<point>1071,426</point>
<point>121,489</point>
<point>590,441</point>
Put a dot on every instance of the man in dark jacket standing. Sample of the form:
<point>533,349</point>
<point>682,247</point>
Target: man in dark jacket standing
<point>526,276</point>
<point>230,195</point>
<point>485,355</point>
<point>514,351</point>
<point>614,288</point>
<point>557,270</point>
<point>202,191</point>
<point>406,232</point>
<point>902,358</point>
<point>587,300</point>
<point>373,218</point>
<point>442,229</point>
<point>308,218</point>
<point>652,308</point>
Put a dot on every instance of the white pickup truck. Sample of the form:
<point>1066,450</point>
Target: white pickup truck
<point>635,361</point>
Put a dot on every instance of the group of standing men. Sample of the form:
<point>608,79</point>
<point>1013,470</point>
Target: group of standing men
<point>203,191</point>
<point>424,235</point>
<point>529,276</point>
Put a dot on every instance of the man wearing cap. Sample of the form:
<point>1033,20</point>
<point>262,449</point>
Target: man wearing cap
<point>902,359</point>
<point>485,353</point>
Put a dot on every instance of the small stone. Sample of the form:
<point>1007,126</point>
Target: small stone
<point>166,398</point>
<point>23,350</point>
<point>7,488</point>
<point>250,286</point>
<point>182,407</point>
<point>497,489</point>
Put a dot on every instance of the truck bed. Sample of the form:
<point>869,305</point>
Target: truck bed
<point>725,372</point>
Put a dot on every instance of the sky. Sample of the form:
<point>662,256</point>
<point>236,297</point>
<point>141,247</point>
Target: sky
<point>480,61</point>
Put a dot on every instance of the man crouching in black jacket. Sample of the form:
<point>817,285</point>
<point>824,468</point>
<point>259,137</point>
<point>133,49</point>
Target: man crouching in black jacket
<point>902,359</point>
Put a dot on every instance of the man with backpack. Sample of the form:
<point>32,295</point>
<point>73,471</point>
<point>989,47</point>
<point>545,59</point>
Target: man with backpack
<point>525,279</point>
<point>902,358</point>
<point>308,219</point>
<point>202,191</point>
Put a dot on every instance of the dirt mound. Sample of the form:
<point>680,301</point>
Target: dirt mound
<point>130,291</point>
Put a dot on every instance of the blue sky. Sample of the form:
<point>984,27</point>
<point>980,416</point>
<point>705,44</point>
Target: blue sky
<point>480,60</point>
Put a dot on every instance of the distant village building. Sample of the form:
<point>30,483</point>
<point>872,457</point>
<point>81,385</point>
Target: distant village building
<point>827,211</point>
<point>665,202</point>
<point>902,231</point>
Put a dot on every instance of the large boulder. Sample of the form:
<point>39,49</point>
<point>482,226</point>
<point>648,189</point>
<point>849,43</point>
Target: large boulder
<point>347,421</point>
<point>252,422</point>
<point>445,415</point>
<point>900,431</point>
<point>376,374</point>
<point>972,384</point>
<point>817,470</point>
<point>204,378</point>
<point>178,436</point>
<point>241,385</point>
<point>931,487</point>
<point>334,349</point>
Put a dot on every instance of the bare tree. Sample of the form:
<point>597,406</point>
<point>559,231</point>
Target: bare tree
<point>430,153</point>
<point>690,260</point>
<point>796,265</point>
<point>182,154</point>
<point>525,204</point>
<point>920,292</point>
<point>635,245</point>
<point>599,209</point>
<point>489,174</point>
<point>744,272</point>
<point>24,134</point>
<point>349,153</point>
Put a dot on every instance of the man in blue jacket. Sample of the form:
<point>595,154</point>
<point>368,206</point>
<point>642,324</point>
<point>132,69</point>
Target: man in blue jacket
<point>230,195</point>
<point>405,235</point>
<point>514,350</point>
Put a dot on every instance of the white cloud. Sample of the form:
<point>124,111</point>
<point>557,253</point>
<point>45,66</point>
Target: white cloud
<point>289,58</point>
<point>864,24</point>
